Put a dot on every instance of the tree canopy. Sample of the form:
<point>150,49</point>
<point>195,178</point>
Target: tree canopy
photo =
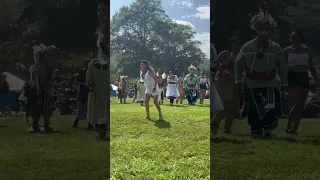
<point>232,17</point>
<point>143,31</point>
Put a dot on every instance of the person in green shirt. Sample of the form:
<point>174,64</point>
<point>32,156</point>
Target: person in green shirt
<point>261,59</point>
<point>191,84</point>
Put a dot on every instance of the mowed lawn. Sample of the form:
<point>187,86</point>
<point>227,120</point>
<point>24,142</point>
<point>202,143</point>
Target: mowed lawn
<point>67,155</point>
<point>177,148</point>
<point>284,157</point>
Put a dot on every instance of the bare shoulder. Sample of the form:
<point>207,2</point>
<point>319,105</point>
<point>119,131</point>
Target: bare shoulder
<point>151,72</point>
<point>224,53</point>
<point>306,48</point>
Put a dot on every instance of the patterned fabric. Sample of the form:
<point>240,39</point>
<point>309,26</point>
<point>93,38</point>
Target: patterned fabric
<point>263,106</point>
<point>192,96</point>
<point>191,82</point>
<point>260,66</point>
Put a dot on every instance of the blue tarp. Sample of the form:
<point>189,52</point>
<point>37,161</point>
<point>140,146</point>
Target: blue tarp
<point>9,99</point>
<point>113,93</point>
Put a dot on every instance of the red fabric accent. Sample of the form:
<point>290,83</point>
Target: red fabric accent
<point>261,76</point>
<point>191,85</point>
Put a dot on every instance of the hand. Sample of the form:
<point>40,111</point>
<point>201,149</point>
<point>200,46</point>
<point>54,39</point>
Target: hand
<point>154,89</point>
<point>90,86</point>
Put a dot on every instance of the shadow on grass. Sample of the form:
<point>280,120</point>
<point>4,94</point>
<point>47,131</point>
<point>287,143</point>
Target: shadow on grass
<point>219,140</point>
<point>203,105</point>
<point>3,126</point>
<point>162,124</point>
<point>49,133</point>
<point>176,105</point>
<point>311,141</point>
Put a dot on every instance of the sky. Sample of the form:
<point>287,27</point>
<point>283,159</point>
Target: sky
<point>194,13</point>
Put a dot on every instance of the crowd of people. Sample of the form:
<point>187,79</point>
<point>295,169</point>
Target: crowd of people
<point>47,91</point>
<point>262,72</point>
<point>160,86</point>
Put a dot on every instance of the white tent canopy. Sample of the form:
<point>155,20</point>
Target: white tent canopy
<point>15,83</point>
<point>115,88</point>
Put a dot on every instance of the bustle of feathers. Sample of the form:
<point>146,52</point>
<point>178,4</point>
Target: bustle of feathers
<point>263,22</point>
<point>192,68</point>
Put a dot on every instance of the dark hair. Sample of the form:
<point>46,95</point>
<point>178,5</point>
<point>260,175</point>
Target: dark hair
<point>301,35</point>
<point>42,57</point>
<point>106,2</point>
<point>233,40</point>
<point>86,62</point>
<point>145,62</point>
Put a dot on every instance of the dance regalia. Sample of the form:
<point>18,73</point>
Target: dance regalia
<point>122,90</point>
<point>172,89</point>
<point>161,87</point>
<point>141,90</point>
<point>225,83</point>
<point>97,78</point>
<point>262,88</point>
<point>180,88</point>
<point>191,83</point>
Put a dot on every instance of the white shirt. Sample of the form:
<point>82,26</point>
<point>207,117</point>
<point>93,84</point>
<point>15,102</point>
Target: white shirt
<point>149,82</point>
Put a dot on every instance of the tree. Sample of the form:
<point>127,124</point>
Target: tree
<point>232,17</point>
<point>68,24</point>
<point>143,31</point>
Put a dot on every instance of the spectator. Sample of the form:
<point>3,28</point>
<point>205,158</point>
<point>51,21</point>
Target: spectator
<point>4,85</point>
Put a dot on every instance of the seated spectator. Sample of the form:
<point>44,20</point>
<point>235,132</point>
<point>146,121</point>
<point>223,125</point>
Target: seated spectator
<point>4,85</point>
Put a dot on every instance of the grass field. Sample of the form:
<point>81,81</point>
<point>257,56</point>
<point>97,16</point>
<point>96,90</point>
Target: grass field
<point>68,155</point>
<point>284,157</point>
<point>177,148</point>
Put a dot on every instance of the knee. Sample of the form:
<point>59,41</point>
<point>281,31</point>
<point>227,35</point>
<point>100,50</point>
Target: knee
<point>155,101</point>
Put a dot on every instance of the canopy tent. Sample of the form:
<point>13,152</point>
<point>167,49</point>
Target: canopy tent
<point>15,84</point>
<point>114,87</point>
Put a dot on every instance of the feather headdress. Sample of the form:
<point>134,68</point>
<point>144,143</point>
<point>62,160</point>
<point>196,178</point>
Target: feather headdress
<point>43,48</point>
<point>192,68</point>
<point>123,77</point>
<point>263,23</point>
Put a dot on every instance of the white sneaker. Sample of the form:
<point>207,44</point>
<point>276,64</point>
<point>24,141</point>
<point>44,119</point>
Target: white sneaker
<point>31,130</point>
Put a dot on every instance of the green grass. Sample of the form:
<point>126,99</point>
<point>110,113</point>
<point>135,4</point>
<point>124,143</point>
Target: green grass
<point>68,155</point>
<point>284,157</point>
<point>145,150</point>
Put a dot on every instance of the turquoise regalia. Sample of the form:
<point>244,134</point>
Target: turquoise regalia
<point>191,84</point>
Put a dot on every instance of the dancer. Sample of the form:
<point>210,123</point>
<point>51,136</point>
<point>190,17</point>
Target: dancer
<point>172,89</point>
<point>214,53</point>
<point>299,63</point>
<point>97,77</point>
<point>262,59</point>
<point>161,84</point>
<point>152,89</point>
<point>203,86</point>
<point>135,91</point>
<point>4,85</point>
<point>181,90</point>
<point>141,91</point>
<point>82,97</point>
<point>122,90</point>
<point>191,85</point>
<point>39,100</point>
<point>215,100</point>
<point>225,84</point>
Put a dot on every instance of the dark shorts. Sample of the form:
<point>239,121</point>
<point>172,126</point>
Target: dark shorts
<point>298,79</point>
<point>203,86</point>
